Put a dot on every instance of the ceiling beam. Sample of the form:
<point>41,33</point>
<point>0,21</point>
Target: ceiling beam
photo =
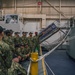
<point>60,12</point>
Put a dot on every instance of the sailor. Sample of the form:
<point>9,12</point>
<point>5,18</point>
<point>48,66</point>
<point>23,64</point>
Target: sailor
<point>24,39</point>
<point>23,52</point>
<point>5,55</point>
<point>11,31</point>
<point>31,42</point>
<point>16,69</point>
<point>17,39</point>
<point>9,40</point>
<point>11,35</point>
<point>37,44</point>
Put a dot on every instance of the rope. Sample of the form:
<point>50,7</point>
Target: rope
<point>49,68</point>
<point>46,71</point>
<point>28,71</point>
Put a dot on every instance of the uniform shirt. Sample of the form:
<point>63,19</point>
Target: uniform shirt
<point>17,40</point>
<point>37,44</point>
<point>36,40</point>
<point>23,52</point>
<point>24,40</point>
<point>5,56</point>
<point>9,41</point>
<point>31,43</point>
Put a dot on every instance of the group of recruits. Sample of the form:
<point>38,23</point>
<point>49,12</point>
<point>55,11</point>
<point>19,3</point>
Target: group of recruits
<point>15,49</point>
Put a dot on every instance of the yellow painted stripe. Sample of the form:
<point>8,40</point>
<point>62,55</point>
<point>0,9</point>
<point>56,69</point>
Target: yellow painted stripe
<point>44,68</point>
<point>43,65</point>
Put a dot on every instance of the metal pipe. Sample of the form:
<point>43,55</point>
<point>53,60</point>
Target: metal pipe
<point>15,7</point>
<point>40,7</point>
<point>56,9</point>
<point>60,10</point>
<point>40,11</point>
<point>60,17</point>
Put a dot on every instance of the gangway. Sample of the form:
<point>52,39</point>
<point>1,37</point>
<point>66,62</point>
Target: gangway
<point>47,33</point>
<point>51,30</point>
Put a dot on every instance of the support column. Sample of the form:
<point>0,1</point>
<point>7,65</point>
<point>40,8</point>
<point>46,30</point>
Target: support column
<point>44,21</point>
<point>34,64</point>
<point>15,8</point>
<point>60,10</point>
<point>60,18</point>
<point>40,7</point>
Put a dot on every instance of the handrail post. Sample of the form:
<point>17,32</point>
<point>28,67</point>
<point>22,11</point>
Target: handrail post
<point>34,64</point>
